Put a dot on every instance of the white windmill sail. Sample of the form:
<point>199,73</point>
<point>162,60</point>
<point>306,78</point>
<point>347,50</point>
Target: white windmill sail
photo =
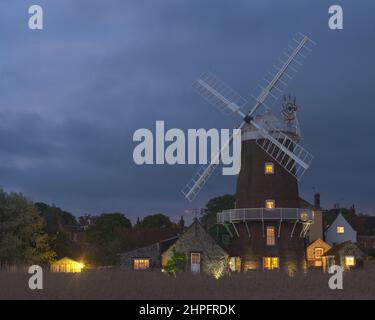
<point>218,94</point>
<point>294,158</point>
<point>286,151</point>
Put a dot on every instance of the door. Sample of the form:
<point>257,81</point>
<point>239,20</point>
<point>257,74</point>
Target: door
<point>195,262</point>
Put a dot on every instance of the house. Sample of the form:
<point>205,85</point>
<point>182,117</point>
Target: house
<point>147,257</point>
<point>340,231</point>
<point>202,252</point>
<point>346,254</point>
<point>67,265</point>
<point>366,239</point>
<point>73,233</point>
<point>315,252</point>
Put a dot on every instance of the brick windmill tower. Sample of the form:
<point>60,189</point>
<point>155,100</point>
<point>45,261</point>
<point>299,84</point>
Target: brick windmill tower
<point>267,229</point>
<point>266,180</point>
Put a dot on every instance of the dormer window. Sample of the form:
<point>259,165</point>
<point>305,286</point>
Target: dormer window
<point>269,168</point>
<point>340,230</point>
<point>270,204</point>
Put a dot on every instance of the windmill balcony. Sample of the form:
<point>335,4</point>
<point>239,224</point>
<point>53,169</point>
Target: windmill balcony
<point>261,214</point>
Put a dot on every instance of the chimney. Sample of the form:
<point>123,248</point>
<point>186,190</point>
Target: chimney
<point>317,201</point>
<point>181,224</point>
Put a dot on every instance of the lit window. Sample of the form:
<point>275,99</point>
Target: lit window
<point>270,204</point>
<point>195,258</point>
<point>195,262</point>
<point>235,264</point>
<point>141,264</point>
<point>304,216</point>
<point>318,252</point>
<point>318,263</point>
<point>340,229</point>
<point>349,261</point>
<point>270,236</point>
<point>270,263</point>
<point>269,168</point>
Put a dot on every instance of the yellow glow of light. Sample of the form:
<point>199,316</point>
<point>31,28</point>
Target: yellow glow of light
<point>271,263</point>
<point>269,168</point>
<point>141,264</point>
<point>66,265</point>
<point>350,261</point>
<point>340,230</point>
<point>304,216</point>
<point>270,204</point>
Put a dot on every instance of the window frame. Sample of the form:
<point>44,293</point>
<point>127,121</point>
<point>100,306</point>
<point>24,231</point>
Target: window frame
<point>270,239</point>
<point>269,263</point>
<point>266,166</point>
<point>143,265</point>
<point>315,251</point>
<point>192,261</point>
<point>340,229</point>
<point>270,201</point>
<point>353,261</point>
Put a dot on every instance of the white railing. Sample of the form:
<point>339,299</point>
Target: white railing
<point>238,215</point>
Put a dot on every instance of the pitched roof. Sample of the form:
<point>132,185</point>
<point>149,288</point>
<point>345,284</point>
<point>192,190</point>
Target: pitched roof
<point>336,249</point>
<point>318,242</point>
<point>199,229</point>
<point>340,216</point>
<point>165,244</point>
<point>65,260</point>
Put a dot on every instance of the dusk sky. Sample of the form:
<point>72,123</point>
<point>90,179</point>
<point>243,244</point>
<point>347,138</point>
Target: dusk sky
<point>73,94</point>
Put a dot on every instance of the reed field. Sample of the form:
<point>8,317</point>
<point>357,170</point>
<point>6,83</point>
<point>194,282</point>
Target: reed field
<point>118,284</point>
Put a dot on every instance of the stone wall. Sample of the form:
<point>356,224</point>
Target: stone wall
<point>214,259</point>
<point>150,252</point>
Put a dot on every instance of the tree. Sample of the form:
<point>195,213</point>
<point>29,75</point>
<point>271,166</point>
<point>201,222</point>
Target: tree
<point>56,220</point>
<point>23,239</point>
<point>55,217</point>
<point>102,237</point>
<point>176,263</point>
<point>214,206</point>
<point>156,220</point>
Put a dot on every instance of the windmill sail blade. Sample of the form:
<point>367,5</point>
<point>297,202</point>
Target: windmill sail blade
<point>220,95</point>
<point>274,84</point>
<point>287,152</point>
<point>192,189</point>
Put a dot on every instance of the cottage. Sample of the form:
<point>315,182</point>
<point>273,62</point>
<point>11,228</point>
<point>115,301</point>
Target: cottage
<point>67,265</point>
<point>202,252</point>
<point>340,231</point>
<point>346,254</point>
<point>315,252</point>
<point>146,257</point>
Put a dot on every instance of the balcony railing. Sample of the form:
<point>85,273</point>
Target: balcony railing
<point>251,214</point>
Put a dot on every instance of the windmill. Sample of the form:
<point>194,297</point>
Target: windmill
<point>279,144</point>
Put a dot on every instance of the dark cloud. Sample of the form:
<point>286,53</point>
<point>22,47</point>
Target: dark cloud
<point>73,94</point>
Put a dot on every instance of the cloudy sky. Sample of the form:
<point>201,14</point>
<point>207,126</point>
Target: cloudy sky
<point>72,95</point>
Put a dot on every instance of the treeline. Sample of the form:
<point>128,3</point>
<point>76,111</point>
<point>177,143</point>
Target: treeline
<point>23,236</point>
<point>40,233</point>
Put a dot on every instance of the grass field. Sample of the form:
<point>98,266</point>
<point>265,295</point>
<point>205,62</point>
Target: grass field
<point>108,284</point>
